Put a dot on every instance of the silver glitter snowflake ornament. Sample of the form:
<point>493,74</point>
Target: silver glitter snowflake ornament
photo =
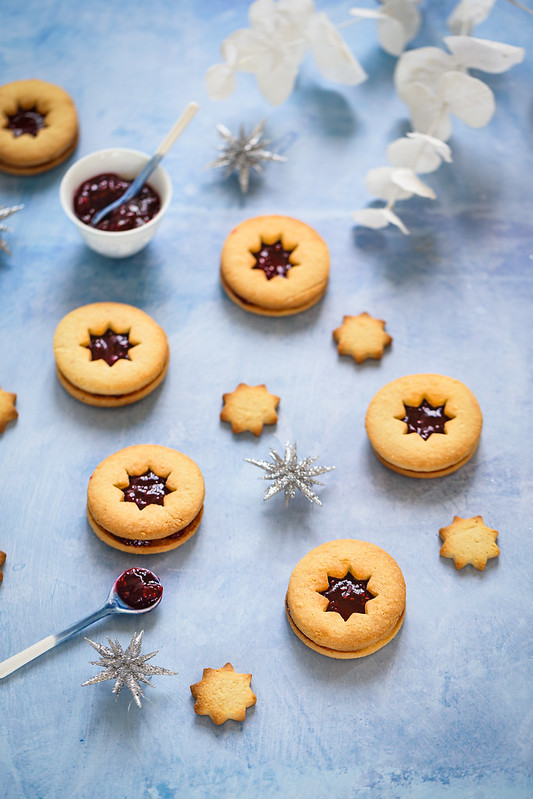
<point>289,474</point>
<point>243,152</point>
<point>5,211</point>
<point>127,667</point>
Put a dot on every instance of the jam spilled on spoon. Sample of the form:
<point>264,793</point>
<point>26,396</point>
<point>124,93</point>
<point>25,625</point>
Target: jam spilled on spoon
<point>347,595</point>
<point>139,588</point>
<point>273,259</point>
<point>425,419</point>
<point>146,489</point>
<point>110,346</point>
<point>101,190</point>
<point>28,121</point>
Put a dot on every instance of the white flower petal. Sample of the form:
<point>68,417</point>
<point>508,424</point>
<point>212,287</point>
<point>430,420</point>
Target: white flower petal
<point>277,84</point>
<point>469,13</point>
<point>483,54</point>
<point>413,153</point>
<point>376,218</point>
<point>424,65</point>
<point>262,14</point>
<point>395,220</point>
<point>371,217</point>
<point>428,111</point>
<point>246,50</point>
<point>467,98</point>
<point>220,81</point>
<point>391,35</point>
<point>407,180</point>
<point>439,147</point>
<point>407,14</point>
<point>379,183</point>
<point>332,55</point>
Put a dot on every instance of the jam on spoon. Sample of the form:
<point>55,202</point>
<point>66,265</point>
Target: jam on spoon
<point>139,588</point>
<point>99,191</point>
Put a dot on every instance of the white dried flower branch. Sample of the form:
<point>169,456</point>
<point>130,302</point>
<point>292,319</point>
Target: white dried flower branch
<point>436,85</point>
<point>273,47</point>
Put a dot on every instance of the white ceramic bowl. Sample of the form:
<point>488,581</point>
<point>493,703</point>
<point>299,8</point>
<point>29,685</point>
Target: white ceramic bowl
<point>127,164</point>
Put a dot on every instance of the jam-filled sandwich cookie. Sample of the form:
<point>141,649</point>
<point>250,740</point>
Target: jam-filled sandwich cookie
<point>145,499</point>
<point>109,354</point>
<point>38,126</point>
<point>346,598</point>
<point>274,266</point>
<point>424,425</point>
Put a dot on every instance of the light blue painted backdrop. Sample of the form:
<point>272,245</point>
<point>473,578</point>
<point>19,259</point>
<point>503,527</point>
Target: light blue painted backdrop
<point>444,710</point>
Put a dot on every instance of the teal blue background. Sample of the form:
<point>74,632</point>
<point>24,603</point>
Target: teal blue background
<point>445,709</point>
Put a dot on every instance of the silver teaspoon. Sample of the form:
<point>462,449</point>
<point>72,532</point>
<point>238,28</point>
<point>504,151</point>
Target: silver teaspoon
<point>135,591</point>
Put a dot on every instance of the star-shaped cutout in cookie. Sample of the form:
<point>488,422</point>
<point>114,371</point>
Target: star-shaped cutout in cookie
<point>362,337</point>
<point>249,408</point>
<point>110,346</point>
<point>223,694</point>
<point>469,541</point>
<point>8,412</point>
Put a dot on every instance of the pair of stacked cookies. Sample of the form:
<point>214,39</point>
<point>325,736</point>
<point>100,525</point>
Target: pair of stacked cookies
<point>146,498</point>
<point>38,127</point>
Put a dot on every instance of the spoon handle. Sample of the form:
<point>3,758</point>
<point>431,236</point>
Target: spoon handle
<point>35,650</point>
<point>135,187</point>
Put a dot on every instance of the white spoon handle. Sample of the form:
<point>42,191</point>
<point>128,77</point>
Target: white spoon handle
<point>35,650</point>
<point>178,129</point>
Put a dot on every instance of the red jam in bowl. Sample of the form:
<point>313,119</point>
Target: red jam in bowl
<point>139,588</point>
<point>101,190</point>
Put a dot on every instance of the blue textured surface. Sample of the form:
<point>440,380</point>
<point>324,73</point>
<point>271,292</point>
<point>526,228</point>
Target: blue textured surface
<point>445,709</point>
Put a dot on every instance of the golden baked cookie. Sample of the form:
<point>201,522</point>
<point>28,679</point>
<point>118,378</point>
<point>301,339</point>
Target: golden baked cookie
<point>249,408</point>
<point>274,266</point>
<point>469,541</point>
<point>38,126</point>
<point>8,412</point>
<point>109,354</point>
<point>2,561</point>
<point>346,598</point>
<point>223,694</point>
<point>424,425</point>
<point>145,499</point>
<point>362,337</point>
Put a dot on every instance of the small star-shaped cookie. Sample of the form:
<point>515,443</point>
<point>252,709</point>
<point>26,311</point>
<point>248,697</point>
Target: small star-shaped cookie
<point>223,694</point>
<point>469,541</point>
<point>362,337</point>
<point>7,409</point>
<point>249,408</point>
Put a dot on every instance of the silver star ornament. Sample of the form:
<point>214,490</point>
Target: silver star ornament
<point>5,211</point>
<point>127,667</point>
<point>243,152</point>
<point>289,474</point>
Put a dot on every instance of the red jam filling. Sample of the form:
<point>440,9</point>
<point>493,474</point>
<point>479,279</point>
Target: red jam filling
<point>425,419</point>
<point>273,259</point>
<point>29,121</point>
<point>139,588</point>
<point>146,489</point>
<point>110,347</point>
<point>347,595</point>
<point>101,190</point>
